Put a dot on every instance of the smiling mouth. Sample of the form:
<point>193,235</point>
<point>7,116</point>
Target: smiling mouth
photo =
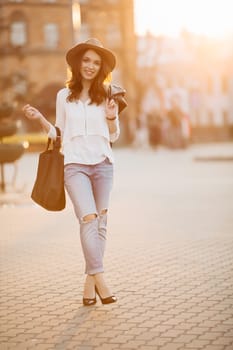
<point>89,72</point>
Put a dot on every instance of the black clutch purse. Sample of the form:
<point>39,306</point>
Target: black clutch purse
<point>117,93</point>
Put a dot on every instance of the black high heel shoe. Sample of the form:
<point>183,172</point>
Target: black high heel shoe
<point>89,302</point>
<point>108,300</point>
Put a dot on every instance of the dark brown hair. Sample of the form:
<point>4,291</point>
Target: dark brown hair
<point>97,92</point>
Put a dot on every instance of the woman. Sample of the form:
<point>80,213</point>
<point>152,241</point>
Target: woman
<point>89,122</point>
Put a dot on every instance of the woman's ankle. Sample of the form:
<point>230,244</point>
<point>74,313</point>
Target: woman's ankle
<point>89,287</point>
<point>101,285</point>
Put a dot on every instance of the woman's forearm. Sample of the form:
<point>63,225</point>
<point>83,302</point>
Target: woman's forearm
<point>113,125</point>
<point>45,124</point>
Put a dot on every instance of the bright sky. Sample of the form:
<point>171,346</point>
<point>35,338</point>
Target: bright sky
<point>167,17</point>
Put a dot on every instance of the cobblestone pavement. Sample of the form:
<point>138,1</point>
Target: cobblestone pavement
<point>169,260</point>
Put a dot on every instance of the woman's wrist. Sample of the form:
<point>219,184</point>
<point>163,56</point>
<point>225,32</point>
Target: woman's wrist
<point>45,124</point>
<point>42,120</point>
<point>111,118</point>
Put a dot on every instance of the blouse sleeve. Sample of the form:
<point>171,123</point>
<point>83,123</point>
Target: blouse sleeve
<point>60,115</point>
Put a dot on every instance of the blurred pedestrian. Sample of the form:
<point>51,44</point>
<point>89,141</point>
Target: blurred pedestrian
<point>150,111</point>
<point>177,127</point>
<point>89,122</point>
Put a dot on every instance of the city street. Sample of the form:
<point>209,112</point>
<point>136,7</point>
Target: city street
<point>169,258</point>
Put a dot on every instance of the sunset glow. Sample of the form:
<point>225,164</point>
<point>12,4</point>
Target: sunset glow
<point>168,17</point>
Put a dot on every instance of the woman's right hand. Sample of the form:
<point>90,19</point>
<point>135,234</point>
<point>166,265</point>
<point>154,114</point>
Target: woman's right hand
<point>32,113</point>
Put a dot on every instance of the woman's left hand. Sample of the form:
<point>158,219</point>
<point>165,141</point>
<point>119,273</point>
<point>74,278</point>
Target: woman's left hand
<point>111,108</point>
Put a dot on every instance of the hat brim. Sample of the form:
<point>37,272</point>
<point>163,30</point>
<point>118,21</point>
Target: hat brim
<point>107,55</point>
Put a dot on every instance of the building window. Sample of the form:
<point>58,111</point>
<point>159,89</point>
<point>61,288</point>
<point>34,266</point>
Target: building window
<point>76,15</point>
<point>51,35</point>
<point>209,85</point>
<point>84,32</point>
<point>18,33</point>
<point>224,84</point>
<point>113,35</point>
<point>226,118</point>
<point>210,118</point>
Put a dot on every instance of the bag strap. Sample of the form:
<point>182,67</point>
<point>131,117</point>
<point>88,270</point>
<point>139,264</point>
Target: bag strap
<point>56,143</point>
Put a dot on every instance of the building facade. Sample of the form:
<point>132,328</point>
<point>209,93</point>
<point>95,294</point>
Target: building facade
<point>36,34</point>
<point>34,37</point>
<point>199,71</point>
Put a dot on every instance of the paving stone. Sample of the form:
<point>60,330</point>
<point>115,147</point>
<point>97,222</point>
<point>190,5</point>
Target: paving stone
<point>210,336</point>
<point>215,347</point>
<point>158,341</point>
<point>223,341</point>
<point>107,346</point>
<point>173,333</point>
<point>148,347</point>
<point>133,344</point>
<point>172,346</point>
<point>198,344</point>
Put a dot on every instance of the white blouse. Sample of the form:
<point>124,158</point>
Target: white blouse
<point>85,133</point>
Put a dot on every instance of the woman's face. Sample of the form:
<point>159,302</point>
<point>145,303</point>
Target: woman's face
<point>90,65</point>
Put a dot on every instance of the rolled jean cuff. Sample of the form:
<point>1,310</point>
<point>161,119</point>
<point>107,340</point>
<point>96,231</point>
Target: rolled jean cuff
<point>94,271</point>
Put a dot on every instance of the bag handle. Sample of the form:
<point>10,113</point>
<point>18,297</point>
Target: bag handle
<point>57,142</point>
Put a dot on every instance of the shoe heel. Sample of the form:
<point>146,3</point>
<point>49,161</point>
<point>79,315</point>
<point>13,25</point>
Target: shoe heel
<point>108,300</point>
<point>89,302</point>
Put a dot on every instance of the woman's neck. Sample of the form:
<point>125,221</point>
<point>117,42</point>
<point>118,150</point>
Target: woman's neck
<point>84,95</point>
<point>86,85</point>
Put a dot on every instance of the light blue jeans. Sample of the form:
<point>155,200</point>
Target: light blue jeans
<point>89,188</point>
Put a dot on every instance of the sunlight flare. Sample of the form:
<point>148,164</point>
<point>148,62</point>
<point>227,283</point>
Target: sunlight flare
<point>170,17</point>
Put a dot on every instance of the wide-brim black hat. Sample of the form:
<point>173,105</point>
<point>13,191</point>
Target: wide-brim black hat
<point>91,44</point>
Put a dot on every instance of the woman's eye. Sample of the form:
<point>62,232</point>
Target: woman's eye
<point>87,60</point>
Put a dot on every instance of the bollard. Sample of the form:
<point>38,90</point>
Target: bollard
<point>9,153</point>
